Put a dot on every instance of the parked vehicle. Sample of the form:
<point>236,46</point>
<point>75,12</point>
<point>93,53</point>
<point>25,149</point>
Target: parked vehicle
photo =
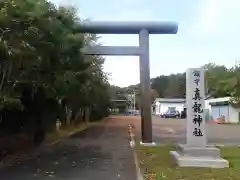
<point>171,114</point>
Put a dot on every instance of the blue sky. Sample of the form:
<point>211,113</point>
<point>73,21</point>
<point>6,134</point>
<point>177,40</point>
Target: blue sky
<point>208,32</point>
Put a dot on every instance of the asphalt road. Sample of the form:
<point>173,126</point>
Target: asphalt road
<point>174,131</point>
<point>103,152</point>
<point>100,152</point>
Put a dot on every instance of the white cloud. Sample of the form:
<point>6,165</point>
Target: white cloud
<point>206,21</point>
<point>62,2</point>
<point>127,3</point>
<point>137,15</point>
<point>124,70</point>
<point>215,15</point>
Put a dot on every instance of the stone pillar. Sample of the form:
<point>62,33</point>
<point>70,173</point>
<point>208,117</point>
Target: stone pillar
<point>146,114</point>
<point>195,98</point>
<point>196,153</point>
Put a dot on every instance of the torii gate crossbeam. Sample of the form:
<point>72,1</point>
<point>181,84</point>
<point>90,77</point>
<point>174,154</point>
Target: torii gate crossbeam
<point>143,29</point>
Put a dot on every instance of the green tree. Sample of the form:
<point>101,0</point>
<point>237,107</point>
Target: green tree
<point>42,67</point>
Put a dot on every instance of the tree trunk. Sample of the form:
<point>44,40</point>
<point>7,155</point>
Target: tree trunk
<point>9,71</point>
<point>68,115</point>
<point>6,75</point>
<point>78,116</point>
<point>3,80</point>
<point>87,114</point>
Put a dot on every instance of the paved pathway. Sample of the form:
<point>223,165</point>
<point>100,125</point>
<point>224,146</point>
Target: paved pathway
<point>173,131</point>
<point>98,153</point>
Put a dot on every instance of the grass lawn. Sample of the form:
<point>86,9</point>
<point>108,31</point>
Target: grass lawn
<point>156,164</point>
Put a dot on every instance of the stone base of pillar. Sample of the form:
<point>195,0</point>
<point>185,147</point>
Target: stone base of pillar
<point>147,144</point>
<point>209,157</point>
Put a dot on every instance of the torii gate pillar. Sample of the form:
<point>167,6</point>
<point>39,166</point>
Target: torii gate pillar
<point>143,29</point>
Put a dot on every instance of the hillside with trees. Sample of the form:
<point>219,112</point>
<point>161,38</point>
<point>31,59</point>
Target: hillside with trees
<point>43,73</point>
<point>220,82</point>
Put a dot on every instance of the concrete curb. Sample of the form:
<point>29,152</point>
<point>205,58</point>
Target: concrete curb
<point>132,143</point>
<point>64,137</point>
<point>51,143</point>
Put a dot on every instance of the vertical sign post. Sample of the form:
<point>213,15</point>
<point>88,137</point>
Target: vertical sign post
<point>196,135</point>
<point>196,153</point>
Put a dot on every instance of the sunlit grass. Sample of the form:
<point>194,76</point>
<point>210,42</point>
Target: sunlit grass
<point>156,164</point>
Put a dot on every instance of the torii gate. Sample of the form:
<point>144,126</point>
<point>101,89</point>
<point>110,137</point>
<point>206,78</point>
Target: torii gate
<point>143,29</point>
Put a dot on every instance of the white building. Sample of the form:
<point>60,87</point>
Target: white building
<point>214,108</point>
<point>163,104</point>
<point>218,107</point>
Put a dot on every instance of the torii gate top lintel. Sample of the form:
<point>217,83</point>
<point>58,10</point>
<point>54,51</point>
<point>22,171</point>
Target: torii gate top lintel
<point>128,27</point>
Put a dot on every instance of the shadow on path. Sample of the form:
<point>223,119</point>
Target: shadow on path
<point>100,152</point>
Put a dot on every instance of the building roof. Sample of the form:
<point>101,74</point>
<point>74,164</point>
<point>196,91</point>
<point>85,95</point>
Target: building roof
<point>172,100</point>
<point>220,103</point>
<point>221,99</point>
